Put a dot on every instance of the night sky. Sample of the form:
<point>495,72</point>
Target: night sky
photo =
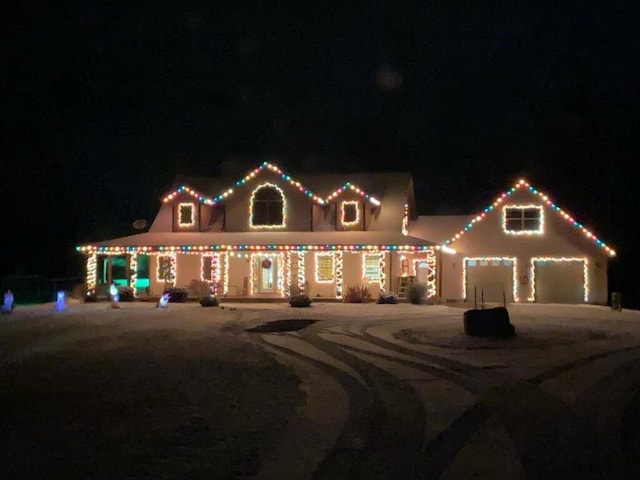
<point>105,102</point>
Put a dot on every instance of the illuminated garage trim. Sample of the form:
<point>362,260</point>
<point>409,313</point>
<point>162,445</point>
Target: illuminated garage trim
<point>514,269</point>
<point>585,273</point>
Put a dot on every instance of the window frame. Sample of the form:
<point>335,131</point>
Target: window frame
<point>267,203</point>
<point>343,212</point>
<point>522,219</point>
<point>329,278</point>
<point>190,223</point>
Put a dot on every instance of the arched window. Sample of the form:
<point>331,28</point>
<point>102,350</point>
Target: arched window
<point>267,207</point>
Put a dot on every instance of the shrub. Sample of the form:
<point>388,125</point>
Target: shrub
<point>294,290</point>
<point>389,298</point>
<point>90,296</point>
<point>415,292</point>
<point>199,288</point>
<point>357,294</point>
<point>177,295</point>
<point>300,300</point>
<point>209,301</point>
<point>125,294</point>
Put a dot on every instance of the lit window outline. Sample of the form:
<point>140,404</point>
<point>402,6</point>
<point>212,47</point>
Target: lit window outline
<point>377,258</point>
<point>522,208</point>
<point>284,207</point>
<point>343,204</point>
<point>192,220</point>
<point>331,256</point>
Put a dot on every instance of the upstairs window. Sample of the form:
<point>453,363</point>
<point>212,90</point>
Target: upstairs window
<point>350,213</point>
<point>522,219</point>
<point>186,215</point>
<point>267,207</point>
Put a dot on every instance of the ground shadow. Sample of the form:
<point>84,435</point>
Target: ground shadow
<point>287,325</point>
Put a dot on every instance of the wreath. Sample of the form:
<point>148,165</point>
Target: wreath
<point>266,263</point>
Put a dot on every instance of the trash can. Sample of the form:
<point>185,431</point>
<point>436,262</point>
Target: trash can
<point>616,301</point>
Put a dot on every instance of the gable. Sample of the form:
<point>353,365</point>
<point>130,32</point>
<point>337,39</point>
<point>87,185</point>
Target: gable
<point>523,196</point>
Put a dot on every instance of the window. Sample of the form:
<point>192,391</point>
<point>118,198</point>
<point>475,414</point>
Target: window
<point>522,219</point>
<point>185,215</point>
<point>350,212</point>
<point>371,267</point>
<point>324,267</point>
<point>166,270</point>
<point>267,207</point>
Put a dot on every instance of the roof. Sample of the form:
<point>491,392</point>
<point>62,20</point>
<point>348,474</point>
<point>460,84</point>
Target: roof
<point>322,188</point>
<point>189,241</point>
<point>437,228</point>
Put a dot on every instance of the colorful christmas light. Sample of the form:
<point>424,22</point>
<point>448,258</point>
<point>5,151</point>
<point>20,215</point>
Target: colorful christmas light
<point>547,202</point>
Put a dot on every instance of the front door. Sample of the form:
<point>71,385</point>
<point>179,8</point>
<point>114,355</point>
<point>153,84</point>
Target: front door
<point>267,268</point>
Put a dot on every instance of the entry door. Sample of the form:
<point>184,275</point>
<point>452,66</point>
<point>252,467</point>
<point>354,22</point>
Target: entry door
<point>267,274</point>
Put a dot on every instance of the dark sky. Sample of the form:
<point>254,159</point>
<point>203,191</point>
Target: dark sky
<point>105,102</point>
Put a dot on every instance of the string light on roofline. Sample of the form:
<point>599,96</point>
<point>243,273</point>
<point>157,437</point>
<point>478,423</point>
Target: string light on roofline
<point>253,173</point>
<point>547,201</point>
<point>91,249</point>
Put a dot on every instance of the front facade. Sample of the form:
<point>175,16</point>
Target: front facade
<point>521,248</point>
<point>269,235</point>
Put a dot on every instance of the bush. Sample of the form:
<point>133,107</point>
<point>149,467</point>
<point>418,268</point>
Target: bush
<point>125,294</point>
<point>209,301</point>
<point>389,298</point>
<point>177,295</point>
<point>357,294</point>
<point>415,292</point>
<point>294,290</point>
<point>300,300</point>
<point>199,288</point>
<point>90,296</point>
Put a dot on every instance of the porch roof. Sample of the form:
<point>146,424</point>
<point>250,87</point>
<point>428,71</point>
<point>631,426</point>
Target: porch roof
<point>267,240</point>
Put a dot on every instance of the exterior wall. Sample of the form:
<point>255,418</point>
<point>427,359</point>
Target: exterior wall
<point>238,269</point>
<point>298,207</point>
<point>558,240</point>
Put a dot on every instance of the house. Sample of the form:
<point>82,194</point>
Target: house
<point>268,234</point>
<point>521,248</point>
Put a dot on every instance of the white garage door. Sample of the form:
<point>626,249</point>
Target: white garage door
<point>490,280</point>
<point>559,281</point>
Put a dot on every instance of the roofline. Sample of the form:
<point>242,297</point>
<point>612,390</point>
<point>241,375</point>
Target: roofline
<point>522,183</point>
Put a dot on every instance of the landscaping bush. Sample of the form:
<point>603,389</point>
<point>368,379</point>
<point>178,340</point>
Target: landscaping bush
<point>300,300</point>
<point>294,290</point>
<point>209,301</point>
<point>177,295</point>
<point>357,294</point>
<point>90,297</point>
<point>125,294</point>
<point>415,292</point>
<point>199,288</point>
<point>389,298</point>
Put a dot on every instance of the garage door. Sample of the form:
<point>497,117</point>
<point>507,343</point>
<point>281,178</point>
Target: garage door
<point>489,279</point>
<point>559,281</point>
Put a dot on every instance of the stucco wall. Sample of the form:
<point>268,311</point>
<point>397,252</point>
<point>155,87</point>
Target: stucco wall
<point>559,239</point>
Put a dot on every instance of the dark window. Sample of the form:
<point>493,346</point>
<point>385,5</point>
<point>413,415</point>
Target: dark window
<point>185,215</point>
<point>523,219</point>
<point>267,208</point>
<point>349,212</point>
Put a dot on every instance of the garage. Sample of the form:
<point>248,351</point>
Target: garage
<point>559,280</point>
<point>490,279</point>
